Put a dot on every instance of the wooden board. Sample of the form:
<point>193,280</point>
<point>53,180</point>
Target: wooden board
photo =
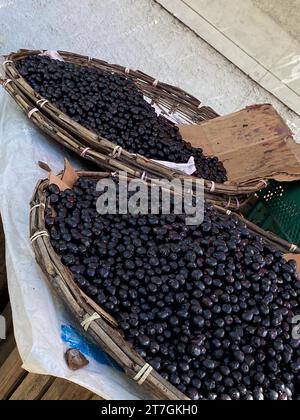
<point>7,346</point>
<point>64,390</point>
<point>11,375</point>
<point>75,392</point>
<point>3,283</point>
<point>33,387</point>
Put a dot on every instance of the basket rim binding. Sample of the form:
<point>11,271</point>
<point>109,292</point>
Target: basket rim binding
<point>165,95</point>
<point>103,330</point>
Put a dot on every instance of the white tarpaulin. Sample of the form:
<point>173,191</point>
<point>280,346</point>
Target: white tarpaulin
<point>42,329</point>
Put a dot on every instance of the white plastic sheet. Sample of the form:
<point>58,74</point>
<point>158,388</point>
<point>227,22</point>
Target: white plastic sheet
<point>40,321</point>
<point>52,54</point>
<point>188,168</point>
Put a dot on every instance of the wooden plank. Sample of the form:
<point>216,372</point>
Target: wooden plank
<point>33,387</point>
<point>56,390</point>
<point>8,317</point>
<point>3,283</point>
<point>11,375</point>
<point>7,345</point>
<point>96,398</point>
<point>6,348</point>
<point>64,390</point>
<point>75,392</point>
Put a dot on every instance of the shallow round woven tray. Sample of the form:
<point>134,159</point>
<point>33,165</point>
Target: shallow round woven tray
<point>104,331</point>
<point>173,102</point>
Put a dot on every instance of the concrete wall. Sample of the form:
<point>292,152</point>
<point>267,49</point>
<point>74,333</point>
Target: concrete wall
<point>139,34</point>
<point>249,38</point>
<point>285,12</point>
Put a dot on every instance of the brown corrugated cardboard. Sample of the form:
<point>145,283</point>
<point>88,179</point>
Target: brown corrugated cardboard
<point>254,143</point>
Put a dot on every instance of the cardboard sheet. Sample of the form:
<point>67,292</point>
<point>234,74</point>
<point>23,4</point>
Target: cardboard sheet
<point>254,143</point>
<point>66,180</point>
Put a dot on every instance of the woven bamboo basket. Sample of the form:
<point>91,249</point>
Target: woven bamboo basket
<point>104,330</point>
<point>172,101</point>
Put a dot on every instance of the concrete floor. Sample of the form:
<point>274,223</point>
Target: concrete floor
<point>139,34</point>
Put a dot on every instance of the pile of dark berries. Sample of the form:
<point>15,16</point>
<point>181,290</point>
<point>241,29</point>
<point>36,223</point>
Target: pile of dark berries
<point>210,307</point>
<point>113,107</point>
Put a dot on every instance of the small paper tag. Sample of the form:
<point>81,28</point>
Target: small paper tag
<point>52,54</point>
<point>174,118</point>
<point>53,179</point>
<point>69,176</point>
<point>187,168</point>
